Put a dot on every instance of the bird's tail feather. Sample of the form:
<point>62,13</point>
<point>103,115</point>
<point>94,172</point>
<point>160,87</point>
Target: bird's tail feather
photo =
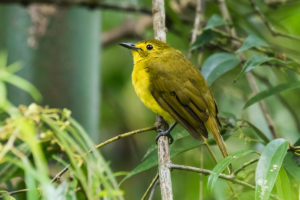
<point>212,125</point>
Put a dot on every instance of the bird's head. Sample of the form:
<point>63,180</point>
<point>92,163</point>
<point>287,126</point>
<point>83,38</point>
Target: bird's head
<point>146,49</point>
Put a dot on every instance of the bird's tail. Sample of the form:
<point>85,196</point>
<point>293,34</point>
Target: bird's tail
<point>213,126</point>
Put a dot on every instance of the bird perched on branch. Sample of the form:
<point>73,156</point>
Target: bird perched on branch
<point>172,87</point>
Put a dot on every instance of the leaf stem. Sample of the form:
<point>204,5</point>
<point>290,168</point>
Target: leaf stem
<point>154,180</point>
<point>245,165</point>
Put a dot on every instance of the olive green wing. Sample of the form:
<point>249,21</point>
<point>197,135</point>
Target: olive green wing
<point>180,89</point>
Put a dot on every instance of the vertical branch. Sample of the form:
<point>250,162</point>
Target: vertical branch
<point>249,76</point>
<point>159,20</point>
<point>227,17</point>
<point>199,16</point>
<point>164,172</point>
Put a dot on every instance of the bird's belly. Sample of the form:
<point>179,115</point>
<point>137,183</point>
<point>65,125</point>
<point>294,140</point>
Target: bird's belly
<point>141,83</point>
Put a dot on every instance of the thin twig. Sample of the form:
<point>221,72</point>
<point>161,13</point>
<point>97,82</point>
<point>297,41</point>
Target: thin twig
<point>269,25</point>
<point>245,165</point>
<point>60,173</point>
<point>230,178</point>
<point>118,137</point>
<point>209,149</point>
<point>153,190</point>
<point>150,187</point>
<point>249,76</point>
<point>84,3</point>
<point>17,191</point>
<point>208,172</point>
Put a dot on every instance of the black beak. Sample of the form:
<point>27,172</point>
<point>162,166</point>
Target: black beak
<point>129,45</point>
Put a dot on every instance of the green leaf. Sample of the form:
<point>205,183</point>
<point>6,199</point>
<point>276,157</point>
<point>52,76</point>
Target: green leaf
<point>257,60</point>
<point>218,64</point>
<point>271,91</point>
<point>203,39</point>
<point>221,166</point>
<point>215,21</point>
<point>252,41</point>
<point>31,185</point>
<point>283,186</point>
<point>179,146</point>
<point>24,85</point>
<point>291,166</point>
<point>268,167</point>
<point>14,67</point>
<point>254,61</point>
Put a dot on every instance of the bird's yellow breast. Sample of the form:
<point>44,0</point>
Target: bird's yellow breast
<point>141,83</point>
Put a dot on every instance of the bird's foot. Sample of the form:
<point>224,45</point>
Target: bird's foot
<point>165,133</point>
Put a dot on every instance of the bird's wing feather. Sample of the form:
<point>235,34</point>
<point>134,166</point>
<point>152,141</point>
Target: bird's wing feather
<point>181,90</point>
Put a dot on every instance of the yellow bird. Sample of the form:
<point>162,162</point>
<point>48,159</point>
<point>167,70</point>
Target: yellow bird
<point>170,85</point>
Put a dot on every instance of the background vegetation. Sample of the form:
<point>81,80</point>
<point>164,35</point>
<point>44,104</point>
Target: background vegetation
<point>262,38</point>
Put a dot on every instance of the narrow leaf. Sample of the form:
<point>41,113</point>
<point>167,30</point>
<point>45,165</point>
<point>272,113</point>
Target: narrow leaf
<point>257,60</point>
<point>221,166</point>
<point>25,85</point>
<point>215,21</point>
<point>252,41</point>
<point>217,65</point>
<point>254,61</point>
<point>268,167</point>
<point>271,91</point>
<point>14,67</point>
<point>31,185</point>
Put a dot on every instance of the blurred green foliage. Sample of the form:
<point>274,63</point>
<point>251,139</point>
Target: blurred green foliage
<point>37,141</point>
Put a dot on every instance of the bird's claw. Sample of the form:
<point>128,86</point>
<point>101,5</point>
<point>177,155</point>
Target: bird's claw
<point>165,133</point>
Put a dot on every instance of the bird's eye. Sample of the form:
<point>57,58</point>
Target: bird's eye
<point>149,47</point>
